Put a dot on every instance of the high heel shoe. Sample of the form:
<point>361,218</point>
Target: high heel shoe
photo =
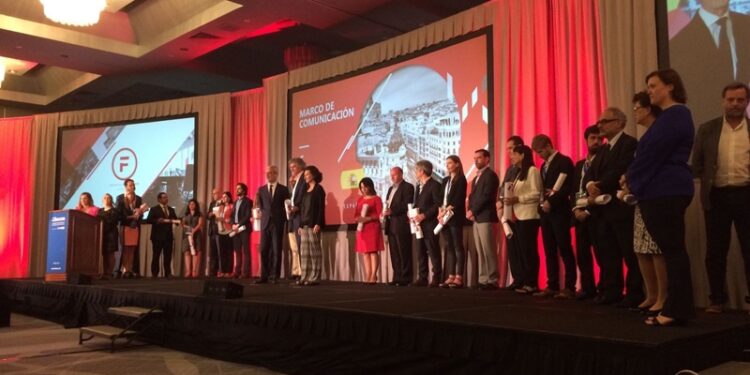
<point>653,321</point>
<point>457,282</point>
<point>649,312</point>
<point>447,282</point>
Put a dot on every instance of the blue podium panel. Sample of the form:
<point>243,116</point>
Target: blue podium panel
<point>58,226</point>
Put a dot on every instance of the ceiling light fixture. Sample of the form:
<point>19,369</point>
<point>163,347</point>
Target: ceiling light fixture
<point>74,12</point>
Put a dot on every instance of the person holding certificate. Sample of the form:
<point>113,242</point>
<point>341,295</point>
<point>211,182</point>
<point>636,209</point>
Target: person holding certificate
<point>312,221</point>
<point>162,217</point>
<point>192,244</point>
<point>452,216</point>
<point>557,176</point>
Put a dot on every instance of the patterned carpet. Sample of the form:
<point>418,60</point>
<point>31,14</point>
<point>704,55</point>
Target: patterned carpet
<point>32,346</point>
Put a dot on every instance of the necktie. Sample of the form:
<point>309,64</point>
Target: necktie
<point>270,189</point>
<point>544,171</point>
<point>166,212</point>
<point>724,52</point>
<point>416,192</point>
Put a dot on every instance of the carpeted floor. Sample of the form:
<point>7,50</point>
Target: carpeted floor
<point>33,346</point>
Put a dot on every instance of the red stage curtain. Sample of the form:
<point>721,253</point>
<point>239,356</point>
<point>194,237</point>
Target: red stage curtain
<point>249,145</point>
<point>549,73</point>
<point>16,181</point>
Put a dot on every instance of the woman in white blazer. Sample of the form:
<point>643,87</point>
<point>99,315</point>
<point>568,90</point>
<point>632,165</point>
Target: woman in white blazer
<point>526,192</point>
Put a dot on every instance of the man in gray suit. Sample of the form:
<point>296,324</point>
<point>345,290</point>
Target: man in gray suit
<point>721,159</point>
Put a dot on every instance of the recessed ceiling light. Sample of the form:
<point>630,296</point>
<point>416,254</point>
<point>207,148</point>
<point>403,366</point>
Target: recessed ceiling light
<point>19,47</point>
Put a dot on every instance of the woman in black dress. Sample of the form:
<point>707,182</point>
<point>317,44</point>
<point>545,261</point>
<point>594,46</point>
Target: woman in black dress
<point>110,237</point>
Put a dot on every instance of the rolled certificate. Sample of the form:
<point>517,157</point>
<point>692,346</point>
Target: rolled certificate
<point>582,203</point>
<point>216,210</point>
<point>256,219</point>
<point>382,216</point>
<point>507,230</point>
<point>238,230</point>
<point>602,199</point>
<point>176,222</point>
<point>191,241</point>
<point>559,183</point>
<point>144,207</point>
<point>288,208</point>
<point>507,208</point>
<point>411,213</point>
<point>361,225</point>
<point>446,217</point>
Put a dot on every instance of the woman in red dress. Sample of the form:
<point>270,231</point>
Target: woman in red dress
<point>369,235</point>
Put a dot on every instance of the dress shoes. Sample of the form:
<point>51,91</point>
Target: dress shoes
<point>434,284</point>
<point>419,283</point>
<point>260,281</point>
<point>627,303</point>
<point>715,309</point>
<point>489,287</point>
<point>565,294</point>
<point>547,292</point>
<point>582,296</point>
<point>603,300</point>
<point>512,287</point>
<point>526,289</point>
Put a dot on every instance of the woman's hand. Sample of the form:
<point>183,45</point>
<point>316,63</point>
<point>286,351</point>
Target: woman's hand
<point>316,229</point>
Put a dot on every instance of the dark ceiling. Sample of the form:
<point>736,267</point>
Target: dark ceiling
<point>242,64</point>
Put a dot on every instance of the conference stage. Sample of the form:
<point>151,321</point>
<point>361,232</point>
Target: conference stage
<point>345,328</point>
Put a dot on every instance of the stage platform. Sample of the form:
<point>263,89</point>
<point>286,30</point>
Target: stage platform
<point>350,328</point>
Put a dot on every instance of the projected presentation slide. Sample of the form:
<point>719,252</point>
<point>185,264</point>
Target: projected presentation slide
<point>427,107</point>
<point>696,31</point>
<point>159,155</point>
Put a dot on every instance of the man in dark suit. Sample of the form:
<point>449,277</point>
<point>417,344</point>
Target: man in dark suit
<point>129,218</point>
<point>585,228</point>
<point>615,219</point>
<point>711,51</point>
<point>241,226</point>
<point>161,218</point>
<point>427,199</point>
<point>721,159</point>
<point>481,212</point>
<point>556,218</point>
<point>297,187</point>
<point>399,195</point>
<point>270,200</point>
<point>214,257</point>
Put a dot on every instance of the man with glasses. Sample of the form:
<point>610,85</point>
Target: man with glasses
<point>614,219</point>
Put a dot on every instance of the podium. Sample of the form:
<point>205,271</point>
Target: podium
<point>74,241</point>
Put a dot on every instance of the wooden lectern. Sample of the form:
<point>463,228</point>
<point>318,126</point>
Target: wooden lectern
<point>74,242</point>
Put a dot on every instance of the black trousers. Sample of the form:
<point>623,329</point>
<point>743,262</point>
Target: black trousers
<point>615,240</point>
<point>241,242</point>
<point>585,239</point>
<point>215,257</point>
<point>455,254</point>
<point>527,234</point>
<point>665,221</point>
<point>514,256</point>
<point>399,246</point>
<point>728,206</point>
<point>556,239</point>
<point>429,245</point>
<point>161,247</point>
<point>270,251</point>
<point>226,253</point>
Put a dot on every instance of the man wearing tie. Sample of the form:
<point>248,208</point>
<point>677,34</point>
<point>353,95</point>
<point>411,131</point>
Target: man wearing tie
<point>270,200</point>
<point>615,219</point>
<point>241,226</point>
<point>585,228</point>
<point>557,175</point>
<point>162,238</point>
<point>397,227</point>
<point>297,186</point>
<point>511,243</point>
<point>427,199</point>
<point>481,212</point>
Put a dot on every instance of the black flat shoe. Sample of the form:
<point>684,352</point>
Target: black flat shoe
<point>652,313</point>
<point>641,310</point>
<point>653,321</point>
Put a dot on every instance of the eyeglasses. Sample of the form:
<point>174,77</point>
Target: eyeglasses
<point>606,120</point>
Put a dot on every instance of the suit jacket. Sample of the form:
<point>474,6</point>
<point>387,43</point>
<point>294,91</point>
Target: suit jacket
<point>706,156</point>
<point>241,211</point>
<point>560,201</point>
<point>317,206</point>
<point>272,209</point>
<point>578,182</point>
<point>428,199</point>
<point>213,229</point>
<point>483,197</point>
<point>124,211</point>
<point>607,168</point>
<point>457,199</point>
<point>161,231</point>
<point>399,205</point>
<point>296,193</point>
<point>693,53</point>
<point>528,192</point>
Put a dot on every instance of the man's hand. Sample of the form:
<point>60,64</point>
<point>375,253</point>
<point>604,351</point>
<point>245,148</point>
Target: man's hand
<point>546,207</point>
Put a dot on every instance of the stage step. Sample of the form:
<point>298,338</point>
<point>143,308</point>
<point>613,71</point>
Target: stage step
<point>132,311</point>
<point>137,316</point>
<point>110,332</point>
